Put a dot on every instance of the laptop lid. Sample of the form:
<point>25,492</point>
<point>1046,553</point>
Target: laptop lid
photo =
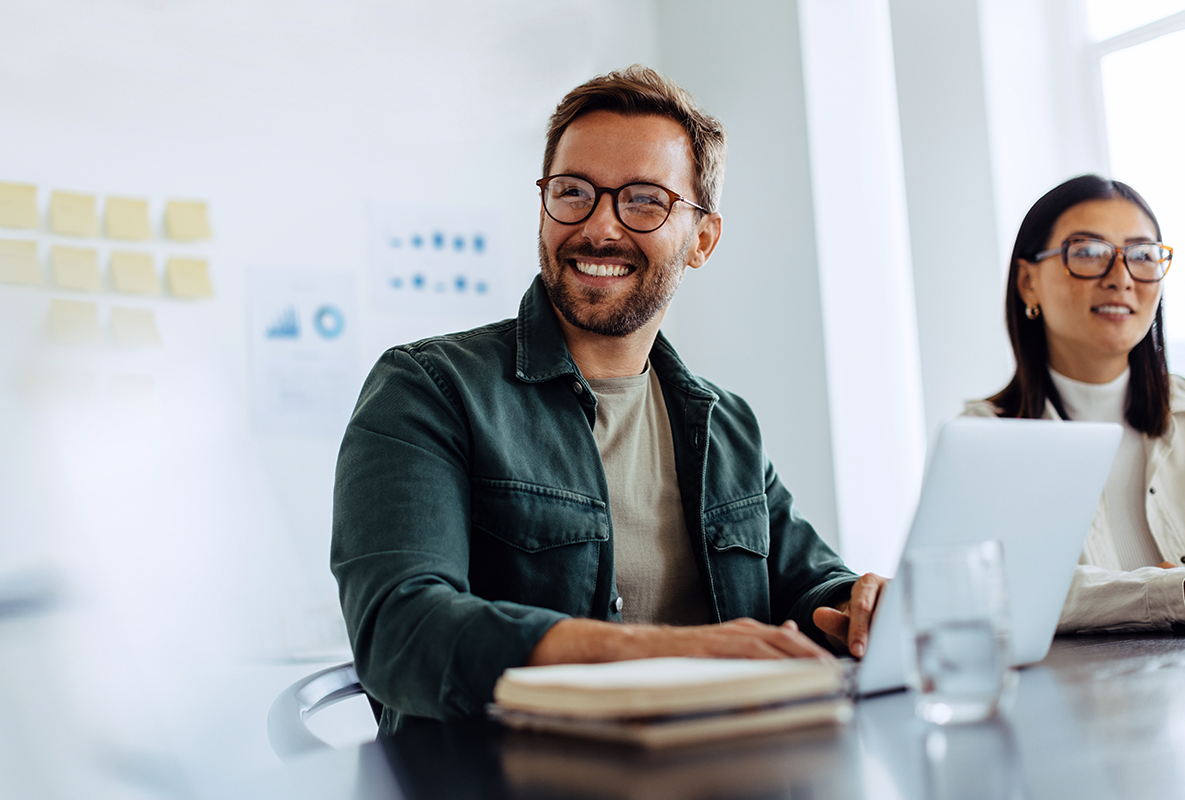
<point>1033,485</point>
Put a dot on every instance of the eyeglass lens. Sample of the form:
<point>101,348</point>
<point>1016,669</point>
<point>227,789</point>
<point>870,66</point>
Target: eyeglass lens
<point>642,207</point>
<point>1089,258</point>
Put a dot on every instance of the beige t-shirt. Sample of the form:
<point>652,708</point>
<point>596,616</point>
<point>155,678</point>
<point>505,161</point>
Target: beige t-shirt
<point>657,578</point>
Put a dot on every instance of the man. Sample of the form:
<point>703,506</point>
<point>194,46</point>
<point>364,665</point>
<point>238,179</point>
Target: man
<point>559,487</point>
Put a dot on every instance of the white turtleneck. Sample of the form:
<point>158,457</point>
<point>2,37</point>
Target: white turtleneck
<point>1123,496</point>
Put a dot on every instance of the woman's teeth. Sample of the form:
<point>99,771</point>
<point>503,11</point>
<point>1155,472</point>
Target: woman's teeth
<point>1112,310</point>
<point>602,270</point>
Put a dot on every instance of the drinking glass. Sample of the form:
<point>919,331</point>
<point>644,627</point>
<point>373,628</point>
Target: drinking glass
<point>957,634</point>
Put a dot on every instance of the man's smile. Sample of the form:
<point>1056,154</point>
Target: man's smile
<point>601,270</point>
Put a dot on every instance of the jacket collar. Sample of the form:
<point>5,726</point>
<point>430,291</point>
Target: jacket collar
<point>543,355</point>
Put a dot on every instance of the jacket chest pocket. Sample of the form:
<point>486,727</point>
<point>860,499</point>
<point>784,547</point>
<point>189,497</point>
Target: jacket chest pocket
<point>535,545</point>
<point>738,546</point>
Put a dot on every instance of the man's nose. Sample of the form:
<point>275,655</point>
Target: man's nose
<point>603,225</point>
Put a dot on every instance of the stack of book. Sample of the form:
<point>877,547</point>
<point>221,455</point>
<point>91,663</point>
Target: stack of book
<point>658,702</point>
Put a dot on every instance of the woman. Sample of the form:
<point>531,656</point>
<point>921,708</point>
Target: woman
<point>1085,318</point>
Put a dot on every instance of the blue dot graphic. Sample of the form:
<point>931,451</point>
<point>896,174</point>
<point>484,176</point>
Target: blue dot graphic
<point>395,241</point>
<point>458,243</point>
<point>397,283</point>
<point>481,287</point>
<point>417,241</point>
<point>479,243</point>
<point>418,281</point>
<point>461,283</point>
<point>438,240</point>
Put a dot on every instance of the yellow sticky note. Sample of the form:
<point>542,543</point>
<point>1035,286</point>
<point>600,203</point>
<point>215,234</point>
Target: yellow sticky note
<point>135,327</point>
<point>18,205</point>
<point>73,214</point>
<point>18,262</point>
<point>134,273</point>
<point>128,219</point>
<point>76,268</point>
<point>189,277</point>
<point>74,322</point>
<point>187,221</point>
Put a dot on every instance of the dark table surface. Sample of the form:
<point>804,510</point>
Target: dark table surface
<point>1100,717</point>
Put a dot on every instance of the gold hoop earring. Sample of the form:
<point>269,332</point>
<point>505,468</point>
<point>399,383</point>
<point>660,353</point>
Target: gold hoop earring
<point>1032,312</point>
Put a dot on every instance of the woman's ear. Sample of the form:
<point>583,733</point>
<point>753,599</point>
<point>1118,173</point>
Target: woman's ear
<point>1024,282</point>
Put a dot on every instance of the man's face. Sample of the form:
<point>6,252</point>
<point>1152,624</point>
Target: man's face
<point>601,276</point>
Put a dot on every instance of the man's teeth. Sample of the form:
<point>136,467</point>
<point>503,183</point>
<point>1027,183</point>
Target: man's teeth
<point>602,270</point>
<point>1113,310</point>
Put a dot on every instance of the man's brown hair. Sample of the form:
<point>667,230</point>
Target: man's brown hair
<point>639,90</point>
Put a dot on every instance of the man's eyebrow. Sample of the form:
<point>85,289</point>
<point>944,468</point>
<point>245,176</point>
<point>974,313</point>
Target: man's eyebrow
<point>631,180</point>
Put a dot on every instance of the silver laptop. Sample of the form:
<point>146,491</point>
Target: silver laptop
<point>1033,485</point>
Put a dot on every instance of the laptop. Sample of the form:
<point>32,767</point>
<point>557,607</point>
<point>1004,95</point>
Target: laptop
<point>1033,485</point>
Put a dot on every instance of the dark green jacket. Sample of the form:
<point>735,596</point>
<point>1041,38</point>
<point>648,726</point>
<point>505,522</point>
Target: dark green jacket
<point>471,511</point>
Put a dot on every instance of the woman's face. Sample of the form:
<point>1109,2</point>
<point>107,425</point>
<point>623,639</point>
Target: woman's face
<point>1091,325</point>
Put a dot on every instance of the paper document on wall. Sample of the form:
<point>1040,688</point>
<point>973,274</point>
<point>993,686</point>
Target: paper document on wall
<point>436,261</point>
<point>305,376</point>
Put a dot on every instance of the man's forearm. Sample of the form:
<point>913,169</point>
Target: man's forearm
<point>587,641</point>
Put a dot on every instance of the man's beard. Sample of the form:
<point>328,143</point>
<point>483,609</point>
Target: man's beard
<point>591,309</point>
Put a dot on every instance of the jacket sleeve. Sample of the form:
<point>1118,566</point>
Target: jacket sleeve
<point>1101,600</point>
<point>804,572</point>
<point>423,644</point>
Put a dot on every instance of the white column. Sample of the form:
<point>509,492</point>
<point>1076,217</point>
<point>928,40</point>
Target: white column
<point>869,320</point>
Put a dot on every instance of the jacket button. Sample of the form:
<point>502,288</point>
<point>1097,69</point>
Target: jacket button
<point>1183,559</point>
<point>617,605</point>
<point>576,387</point>
<point>1151,490</point>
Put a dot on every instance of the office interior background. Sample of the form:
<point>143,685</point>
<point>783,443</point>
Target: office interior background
<point>367,167</point>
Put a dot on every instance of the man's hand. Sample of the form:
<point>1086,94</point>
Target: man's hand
<point>847,625</point>
<point>585,641</point>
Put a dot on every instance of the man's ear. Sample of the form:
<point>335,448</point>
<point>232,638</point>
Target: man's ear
<point>707,234</point>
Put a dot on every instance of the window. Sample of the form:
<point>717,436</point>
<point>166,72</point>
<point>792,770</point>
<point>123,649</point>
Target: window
<point>1141,76</point>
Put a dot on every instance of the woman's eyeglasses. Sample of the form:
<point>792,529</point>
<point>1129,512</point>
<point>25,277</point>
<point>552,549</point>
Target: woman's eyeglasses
<point>1146,262</point>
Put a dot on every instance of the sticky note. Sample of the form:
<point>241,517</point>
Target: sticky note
<point>74,322</point>
<point>187,221</point>
<point>135,327</point>
<point>134,273</point>
<point>18,205</point>
<point>128,219</point>
<point>73,214</point>
<point>189,277</point>
<point>18,262</point>
<point>76,268</point>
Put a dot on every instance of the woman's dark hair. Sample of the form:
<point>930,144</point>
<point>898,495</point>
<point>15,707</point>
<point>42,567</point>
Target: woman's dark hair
<point>1147,406</point>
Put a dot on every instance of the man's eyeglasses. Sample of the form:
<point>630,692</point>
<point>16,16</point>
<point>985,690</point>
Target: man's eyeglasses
<point>641,207</point>
<point>1146,262</point>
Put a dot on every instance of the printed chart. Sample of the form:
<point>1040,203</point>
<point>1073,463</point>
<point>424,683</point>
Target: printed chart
<point>303,346</point>
<point>435,262</point>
